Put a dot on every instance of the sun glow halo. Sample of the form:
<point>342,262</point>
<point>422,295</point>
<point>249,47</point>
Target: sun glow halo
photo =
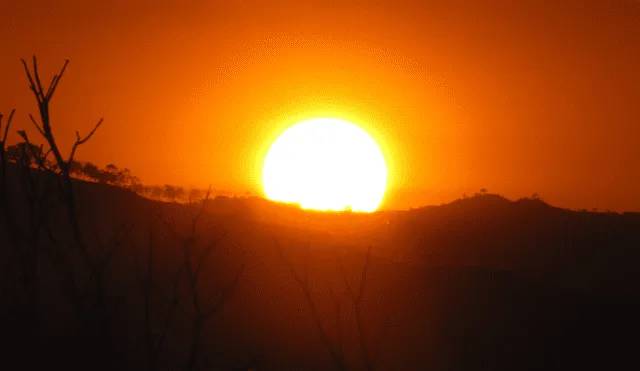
<point>326,164</point>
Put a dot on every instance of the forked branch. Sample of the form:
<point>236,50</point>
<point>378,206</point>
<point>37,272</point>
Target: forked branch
<point>356,296</point>
<point>44,99</point>
<point>44,128</point>
<point>80,141</point>
<point>6,128</point>
<point>303,283</point>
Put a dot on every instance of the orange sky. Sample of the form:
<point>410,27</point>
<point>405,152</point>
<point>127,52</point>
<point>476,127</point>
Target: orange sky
<point>513,96</point>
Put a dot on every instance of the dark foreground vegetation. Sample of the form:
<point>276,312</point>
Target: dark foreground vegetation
<point>94,276</point>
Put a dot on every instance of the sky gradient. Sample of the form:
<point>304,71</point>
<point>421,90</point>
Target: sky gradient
<point>516,97</point>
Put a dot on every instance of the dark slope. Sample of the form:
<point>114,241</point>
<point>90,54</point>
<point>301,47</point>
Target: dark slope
<point>589,251</point>
<point>480,283</point>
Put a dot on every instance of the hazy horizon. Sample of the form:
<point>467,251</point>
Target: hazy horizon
<point>514,97</point>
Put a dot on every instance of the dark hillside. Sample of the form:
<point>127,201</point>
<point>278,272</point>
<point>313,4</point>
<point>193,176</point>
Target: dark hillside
<point>480,283</point>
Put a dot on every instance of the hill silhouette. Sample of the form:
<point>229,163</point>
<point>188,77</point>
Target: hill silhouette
<point>479,283</point>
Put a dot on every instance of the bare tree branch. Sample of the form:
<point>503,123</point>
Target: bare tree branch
<point>32,85</point>
<point>79,141</point>
<point>203,307</point>
<point>364,273</point>
<point>356,297</point>
<point>47,133</point>
<point>56,80</point>
<point>381,334</point>
<point>224,294</point>
<point>36,125</point>
<point>338,308</point>
<point>205,254</point>
<point>6,129</point>
<point>338,361</point>
<point>37,76</point>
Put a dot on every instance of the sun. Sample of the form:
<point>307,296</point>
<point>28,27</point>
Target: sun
<point>326,164</point>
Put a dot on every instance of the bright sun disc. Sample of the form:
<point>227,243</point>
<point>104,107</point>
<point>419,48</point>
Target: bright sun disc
<point>326,164</point>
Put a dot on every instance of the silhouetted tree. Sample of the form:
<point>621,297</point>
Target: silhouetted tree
<point>44,128</point>
<point>28,152</point>
<point>54,262</point>
<point>12,153</point>
<point>135,184</point>
<point>172,192</point>
<point>109,175</point>
<point>112,168</point>
<point>202,306</point>
<point>369,356</point>
<point>44,245</point>
<point>90,170</point>
<point>123,177</point>
<point>336,348</point>
<point>302,280</point>
<point>157,191</point>
<point>76,168</point>
<point>180,192</point>
<point>195,195</point>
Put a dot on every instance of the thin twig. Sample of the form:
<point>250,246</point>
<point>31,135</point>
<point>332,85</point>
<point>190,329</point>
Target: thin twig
<point>36,125</point>
<point>79,141</point>
<point>338,361</point>
<point>356,297</point>
<point>37,76</point>
<point>6,129</point>
<point>56,80</point>
<point>32,86</point>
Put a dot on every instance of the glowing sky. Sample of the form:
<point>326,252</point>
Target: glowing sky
<point>514,96</point>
